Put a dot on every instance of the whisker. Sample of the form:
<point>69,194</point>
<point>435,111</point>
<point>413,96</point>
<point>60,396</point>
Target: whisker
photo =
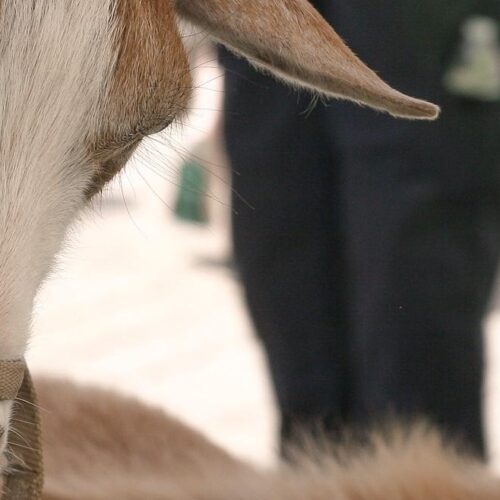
<point>35,405</point>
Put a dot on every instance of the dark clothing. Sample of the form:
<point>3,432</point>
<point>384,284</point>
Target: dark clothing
<point>370,250</point>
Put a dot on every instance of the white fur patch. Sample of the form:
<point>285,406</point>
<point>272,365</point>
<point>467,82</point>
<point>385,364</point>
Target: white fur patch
<point>55,59</point>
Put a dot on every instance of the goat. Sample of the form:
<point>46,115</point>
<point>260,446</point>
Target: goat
<point>85,81</point>
<point>94,452</point>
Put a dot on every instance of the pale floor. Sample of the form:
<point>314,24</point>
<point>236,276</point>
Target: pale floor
<point>138,303</point>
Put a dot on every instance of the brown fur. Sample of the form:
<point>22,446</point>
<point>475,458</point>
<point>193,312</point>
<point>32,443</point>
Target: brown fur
<point>101,446</point>
<point>293,40</point>
<point>150,87</point>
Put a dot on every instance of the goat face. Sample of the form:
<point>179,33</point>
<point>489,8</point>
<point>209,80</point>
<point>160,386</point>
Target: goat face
<point>84,81</point>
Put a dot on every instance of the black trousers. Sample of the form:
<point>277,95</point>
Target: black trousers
<point>367,246</point>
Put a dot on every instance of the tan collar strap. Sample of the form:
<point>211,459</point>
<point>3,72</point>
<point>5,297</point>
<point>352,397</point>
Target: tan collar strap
<point>11,378</point>
<point>24,480</point>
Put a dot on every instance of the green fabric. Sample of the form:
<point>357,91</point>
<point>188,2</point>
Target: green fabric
<point>190,205</point>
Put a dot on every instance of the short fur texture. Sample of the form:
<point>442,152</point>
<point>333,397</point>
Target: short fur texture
<point>101,446</point>
<point>314,57</point>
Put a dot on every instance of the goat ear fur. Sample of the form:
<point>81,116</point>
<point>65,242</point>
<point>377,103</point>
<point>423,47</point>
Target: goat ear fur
<point>291,39</point>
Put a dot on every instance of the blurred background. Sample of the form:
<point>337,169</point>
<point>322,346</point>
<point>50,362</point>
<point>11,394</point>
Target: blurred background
<point>151,305</point>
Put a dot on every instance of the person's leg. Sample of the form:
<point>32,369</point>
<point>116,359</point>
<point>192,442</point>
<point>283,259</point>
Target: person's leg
<point>285,244</point>
<point>421,207</point>
<point>422,263</point>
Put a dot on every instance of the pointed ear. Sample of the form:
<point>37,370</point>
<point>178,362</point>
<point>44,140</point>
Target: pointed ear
<point>292,40</point>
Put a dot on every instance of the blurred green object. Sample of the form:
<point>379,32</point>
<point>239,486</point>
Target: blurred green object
<point>475,72</point>
<point>191,200</point>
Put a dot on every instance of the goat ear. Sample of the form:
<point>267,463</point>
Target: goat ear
<point>292,40</point>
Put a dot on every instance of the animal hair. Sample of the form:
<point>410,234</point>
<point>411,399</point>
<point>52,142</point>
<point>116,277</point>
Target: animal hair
<point>55,61</point>
<point>315,57</point>
<point>93,451</point>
